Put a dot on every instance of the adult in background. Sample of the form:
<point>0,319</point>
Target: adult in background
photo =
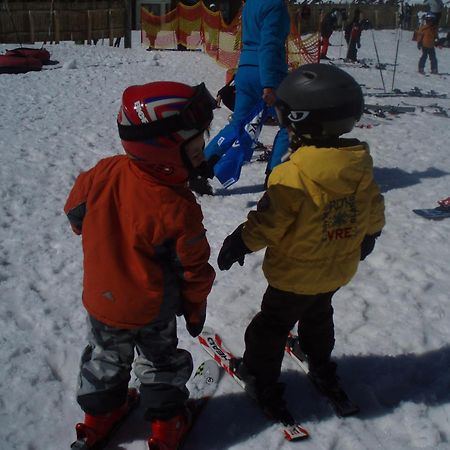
<point>331,21</point>
<point>435,7</point>
<point>262,67</point>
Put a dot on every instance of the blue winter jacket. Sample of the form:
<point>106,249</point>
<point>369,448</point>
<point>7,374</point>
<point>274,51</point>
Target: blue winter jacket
<point>265,27</point>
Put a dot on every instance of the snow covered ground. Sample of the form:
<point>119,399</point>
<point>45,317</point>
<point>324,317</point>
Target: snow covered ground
<point>392,320</point>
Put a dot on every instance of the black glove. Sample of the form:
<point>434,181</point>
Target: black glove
<point>233,250</point>
<point>368,244</point>
<point>419,46</point>
<point>195,328</point>
<point>195,319</point>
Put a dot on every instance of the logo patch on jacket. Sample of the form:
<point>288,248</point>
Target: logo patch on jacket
<point>339,219</point>
<point>108,295</point>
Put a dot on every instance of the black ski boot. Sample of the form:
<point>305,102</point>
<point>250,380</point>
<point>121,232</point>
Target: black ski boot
<point>324,377</point>
<point>327,382</point>
<point>200,185</point>
<point>269,398</point>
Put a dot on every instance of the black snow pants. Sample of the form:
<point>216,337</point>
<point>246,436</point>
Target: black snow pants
<point>265,337</point>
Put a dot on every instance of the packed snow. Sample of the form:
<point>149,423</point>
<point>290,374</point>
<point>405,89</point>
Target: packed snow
<point>392,320</point>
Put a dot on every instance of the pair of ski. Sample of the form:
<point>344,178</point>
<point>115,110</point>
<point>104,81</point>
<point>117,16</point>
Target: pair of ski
<point>202,387</point>
<point>214,346</point>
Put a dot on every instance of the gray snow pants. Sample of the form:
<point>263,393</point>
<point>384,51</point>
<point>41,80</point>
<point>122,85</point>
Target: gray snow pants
<point>160,366</point>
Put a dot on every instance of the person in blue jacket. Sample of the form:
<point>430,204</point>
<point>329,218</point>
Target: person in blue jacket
<point>262,67</point>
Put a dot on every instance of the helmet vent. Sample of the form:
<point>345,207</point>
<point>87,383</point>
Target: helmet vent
<point>309,75</point>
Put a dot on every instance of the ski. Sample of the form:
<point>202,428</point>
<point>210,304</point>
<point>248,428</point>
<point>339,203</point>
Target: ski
<point>415,92</point>
<point>433,213</point>
<point>391,109</point>
<point>438,213</point>
<point>202,387</point>
<point>212,343</point>
<point>81,442</point>
<point>338,398</point>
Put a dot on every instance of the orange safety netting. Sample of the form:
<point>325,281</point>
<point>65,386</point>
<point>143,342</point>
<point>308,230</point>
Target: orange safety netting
<point>197,27</point>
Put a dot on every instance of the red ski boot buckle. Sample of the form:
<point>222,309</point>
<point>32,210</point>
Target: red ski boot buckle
<point>445,203</point>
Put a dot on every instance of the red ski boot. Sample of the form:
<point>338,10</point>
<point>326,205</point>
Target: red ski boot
<point>169,434</point>
<point>96,429</point>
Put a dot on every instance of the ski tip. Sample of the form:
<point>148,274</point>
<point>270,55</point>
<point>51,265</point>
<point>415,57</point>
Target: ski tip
<point>295,433</point>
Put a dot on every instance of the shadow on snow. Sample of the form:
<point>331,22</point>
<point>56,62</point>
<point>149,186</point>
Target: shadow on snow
<point>395,178</point>
<point>379,384</point>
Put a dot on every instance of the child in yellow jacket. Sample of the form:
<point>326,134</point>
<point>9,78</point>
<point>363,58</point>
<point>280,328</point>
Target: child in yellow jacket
<point>320,216</point>
<point>426,38</point>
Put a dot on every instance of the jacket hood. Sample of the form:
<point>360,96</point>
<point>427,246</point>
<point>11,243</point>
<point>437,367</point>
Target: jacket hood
<point>330,172</point>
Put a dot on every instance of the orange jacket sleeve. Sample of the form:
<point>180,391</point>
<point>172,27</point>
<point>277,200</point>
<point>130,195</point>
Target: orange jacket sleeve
<point>75,207</point>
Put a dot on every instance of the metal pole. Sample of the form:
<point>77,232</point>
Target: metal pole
<point>396,56</point>
<point>50,26</point>
<point>378,59</point>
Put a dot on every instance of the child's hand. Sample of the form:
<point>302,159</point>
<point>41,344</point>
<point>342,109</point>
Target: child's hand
<point>195,319</point>
<point>195,328</point>
<point>419,46</point>
<point>233,250</point>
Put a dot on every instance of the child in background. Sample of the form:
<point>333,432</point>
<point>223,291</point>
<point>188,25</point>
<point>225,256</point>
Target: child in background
<point>145,261</point>
<point>320,216</point>
<point>352,33</point>
<point>427,36</point>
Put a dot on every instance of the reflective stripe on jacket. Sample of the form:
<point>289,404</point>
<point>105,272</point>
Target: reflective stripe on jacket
<point>144,244</point>
<point>318,207</point>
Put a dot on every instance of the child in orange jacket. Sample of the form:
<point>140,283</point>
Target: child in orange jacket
<point>145,261</point>
<point>426,38</point>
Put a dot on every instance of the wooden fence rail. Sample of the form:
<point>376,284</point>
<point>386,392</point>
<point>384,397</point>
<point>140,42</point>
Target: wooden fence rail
<point>28,22</point>
<point>39,21</point>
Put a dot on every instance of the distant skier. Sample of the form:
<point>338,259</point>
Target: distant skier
<point>145,261</point>
<point>427,36</point>
<point>331,21</point>
<point>320,216</point>
<point>352,35</point>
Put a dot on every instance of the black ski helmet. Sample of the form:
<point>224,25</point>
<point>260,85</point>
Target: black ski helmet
<point>319,100</point>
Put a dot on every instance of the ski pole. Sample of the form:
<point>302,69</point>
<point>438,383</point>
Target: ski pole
<point>12,22</point>
<point>378,59</point>
<point>396,56</point>
<point>50,24</point>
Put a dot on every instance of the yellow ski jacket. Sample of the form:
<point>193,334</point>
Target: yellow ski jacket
<point>317,210</point>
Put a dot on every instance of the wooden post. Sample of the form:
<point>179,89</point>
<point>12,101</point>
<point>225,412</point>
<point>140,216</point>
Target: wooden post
<point>128,16</point>
<point>32,33</point>
<point>57,27</point>
<point>110,30</point>
<point>89,27</point>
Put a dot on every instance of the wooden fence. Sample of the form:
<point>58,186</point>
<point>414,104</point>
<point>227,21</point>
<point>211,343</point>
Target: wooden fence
<point>46,21</point>
<point>63,20</point>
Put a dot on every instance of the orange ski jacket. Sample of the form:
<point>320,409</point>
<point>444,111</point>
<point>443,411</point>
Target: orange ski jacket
<point>427,35</point>
<point>145,248</point>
